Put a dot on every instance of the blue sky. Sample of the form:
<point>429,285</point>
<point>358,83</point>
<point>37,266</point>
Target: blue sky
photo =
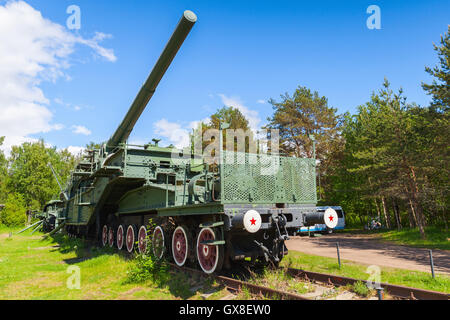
<point>239,52</point>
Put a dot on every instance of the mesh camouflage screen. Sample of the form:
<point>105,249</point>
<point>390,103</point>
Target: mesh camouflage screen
<point>264,179</point>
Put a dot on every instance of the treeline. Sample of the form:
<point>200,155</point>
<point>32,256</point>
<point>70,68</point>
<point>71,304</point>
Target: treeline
<point>389,160</point>
<point>26,180</point>
<point>395,159</point>
<point>394,163</point>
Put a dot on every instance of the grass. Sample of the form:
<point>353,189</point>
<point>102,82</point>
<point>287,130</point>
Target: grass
<point>36,268</point>
<point>361,289</point>
<point>436,238</point>
<point>415,279</point>
<point>4,229</point>
<point>278,279</point>
<point>244,294</point>
<point>33,268</point>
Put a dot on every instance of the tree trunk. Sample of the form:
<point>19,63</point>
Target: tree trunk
<point>28,218</point>
<point>386,214</point>
<point>411,217</point>
<point>417,214</point>
<point>413,213</point>
<point>397,214</point>
<point>378,209</point>
<point>421,220</point>
<point>444,217</point>
<point>416,204</point>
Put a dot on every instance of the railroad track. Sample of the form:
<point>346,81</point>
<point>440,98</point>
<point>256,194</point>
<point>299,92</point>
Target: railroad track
<point>396,291</point>
<point>399,292</point>
<point>236,285</point>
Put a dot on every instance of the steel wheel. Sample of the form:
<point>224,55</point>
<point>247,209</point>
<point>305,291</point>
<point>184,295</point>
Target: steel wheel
<point>209,257</point>
<point>131,236</point>
<point>111,237</point>
<point>158,243</point>
<point>105,235</point>
<point>180,246</point>
<point>120,237</point>
<point>142,240</point>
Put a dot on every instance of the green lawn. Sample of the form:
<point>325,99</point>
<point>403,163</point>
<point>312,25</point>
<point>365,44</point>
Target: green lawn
<point>415,279</point>
<point>436,238</point>
<point>33,268</point>
<point>36,268</point>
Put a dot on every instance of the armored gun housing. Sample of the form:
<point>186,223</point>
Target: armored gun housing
<point>199,214</point>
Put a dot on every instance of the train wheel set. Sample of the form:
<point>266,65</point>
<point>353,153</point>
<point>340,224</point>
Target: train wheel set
<point>181,244</point>
<point>131,240</point>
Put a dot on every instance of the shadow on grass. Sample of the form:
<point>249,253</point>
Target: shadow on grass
<point>84,250</point>
<point>141,270</point>
<point>185,285</point>
<point>188,285</point>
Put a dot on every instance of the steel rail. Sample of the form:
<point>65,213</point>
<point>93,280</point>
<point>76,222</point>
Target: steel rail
<point>393,290</point>
<point>237,285</point>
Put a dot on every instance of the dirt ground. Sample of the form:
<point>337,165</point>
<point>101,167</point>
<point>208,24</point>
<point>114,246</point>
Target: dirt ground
<point>365,249</point>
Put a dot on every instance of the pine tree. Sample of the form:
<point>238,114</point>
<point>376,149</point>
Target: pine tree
<point>301,115</point>
<point>440,87</point>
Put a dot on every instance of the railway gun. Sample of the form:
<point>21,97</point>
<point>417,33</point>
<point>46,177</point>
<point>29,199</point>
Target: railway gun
<point>202,214</point>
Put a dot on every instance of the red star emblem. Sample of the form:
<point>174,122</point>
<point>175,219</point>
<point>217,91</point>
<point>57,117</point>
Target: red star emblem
<point>331,218</point>
<point>253,221</point>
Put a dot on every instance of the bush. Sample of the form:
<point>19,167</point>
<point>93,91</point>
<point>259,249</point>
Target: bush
<point>14,213</point>
<point>144,268</point>
<point>361,289</point>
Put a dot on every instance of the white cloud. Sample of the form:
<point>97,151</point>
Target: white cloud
<point>58,127</point>
<point>59,101</point>
<point>33,49</point>
<point>195,124</point>
<point>178,134</point>
<point>252,116</point>
<point>81,130</point>
<point>67,105</point>
<point>76,151</point>
<point>173,132</point>
<point>138,142</point>
<point>93,43</point>
<point>261,101</point>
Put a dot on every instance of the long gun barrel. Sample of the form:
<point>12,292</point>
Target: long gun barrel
<point>148,89</point>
